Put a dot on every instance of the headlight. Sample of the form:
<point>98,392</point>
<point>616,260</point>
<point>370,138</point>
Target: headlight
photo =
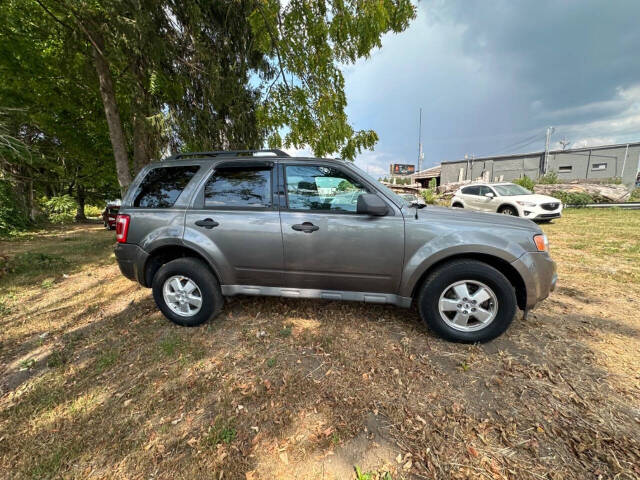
<point>526,204</point>
<point>542,242</point>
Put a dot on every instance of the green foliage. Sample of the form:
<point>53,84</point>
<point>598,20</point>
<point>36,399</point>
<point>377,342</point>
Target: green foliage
<point>360,475</point>
<point>433,184</point>
<point>549,178</point>
<point>12,217</point>
<point>34,263</point>
<point>306,43</point>
<point>429,196</point>
<point>345,186</point>
<point>61,209</point>
<point>220,432</point>
<point>286,331</point>
<point>573,198</point>
<point>635,195</point>
<point>92,211</point>
<point>525,182</point>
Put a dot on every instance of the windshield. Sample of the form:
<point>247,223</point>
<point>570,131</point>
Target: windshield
<point>397,199</point>
<point>510,190</point>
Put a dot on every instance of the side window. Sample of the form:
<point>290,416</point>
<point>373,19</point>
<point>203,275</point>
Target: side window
<point>162,186</point>
<point>471,190</point>
<point>239,187</point>
<point>315,187</point>
<point>484,190</point>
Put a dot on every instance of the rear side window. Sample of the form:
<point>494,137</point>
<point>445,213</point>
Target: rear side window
<point>471,190</point>
<point>162,186</point>
<point>239,187</point>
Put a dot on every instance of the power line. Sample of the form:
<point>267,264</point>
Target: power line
<point>520,144</point>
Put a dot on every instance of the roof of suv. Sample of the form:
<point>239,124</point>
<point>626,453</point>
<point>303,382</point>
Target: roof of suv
<point>249,155</point>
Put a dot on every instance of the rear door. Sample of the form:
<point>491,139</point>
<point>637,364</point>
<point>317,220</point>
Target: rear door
<point>327,244</point>
<point>235,221</point>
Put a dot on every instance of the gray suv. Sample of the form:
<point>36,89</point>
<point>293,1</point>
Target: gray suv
<point>199,226</point>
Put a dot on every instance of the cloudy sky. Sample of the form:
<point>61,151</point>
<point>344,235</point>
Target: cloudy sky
<point>491,76</point>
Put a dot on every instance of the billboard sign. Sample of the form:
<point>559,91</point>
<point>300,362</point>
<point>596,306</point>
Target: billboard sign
<point>402,169</point>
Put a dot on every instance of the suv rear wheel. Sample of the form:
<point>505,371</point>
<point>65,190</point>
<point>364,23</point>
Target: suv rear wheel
<point>187,292</point>
<point>467,301</point>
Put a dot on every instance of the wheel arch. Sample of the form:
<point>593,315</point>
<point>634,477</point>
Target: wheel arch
<point>166,253</point>
<point>506,204</point>
<point>498,263</point>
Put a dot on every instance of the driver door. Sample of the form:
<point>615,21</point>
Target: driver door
<point>327,244</point>
<point>485,203</point>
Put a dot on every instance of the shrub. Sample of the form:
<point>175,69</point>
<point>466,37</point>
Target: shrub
<point>12,217</point>
<point>549,178</point>
<point>635,195</point>
<point>429,196</point>
<point>433,184</point>
<point>573,198</point>
<point>60,209</point>
<point>525,182</point>
<point>92,211</point>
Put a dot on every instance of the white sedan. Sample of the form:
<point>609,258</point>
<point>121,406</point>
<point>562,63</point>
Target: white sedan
<point>509,199</point>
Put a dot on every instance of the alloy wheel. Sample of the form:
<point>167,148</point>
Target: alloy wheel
<point>182,295</point>
<point>468,305</point>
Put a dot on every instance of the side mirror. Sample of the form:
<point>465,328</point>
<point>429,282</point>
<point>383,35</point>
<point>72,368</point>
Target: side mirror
<point>371,204</point>
<point>489,195</point>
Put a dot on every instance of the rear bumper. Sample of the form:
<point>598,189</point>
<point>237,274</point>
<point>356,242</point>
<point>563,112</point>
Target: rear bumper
<point>538,271</point>
<point>131,260</point>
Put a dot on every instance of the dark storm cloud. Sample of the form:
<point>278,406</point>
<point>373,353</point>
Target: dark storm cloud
<point>492,75</point>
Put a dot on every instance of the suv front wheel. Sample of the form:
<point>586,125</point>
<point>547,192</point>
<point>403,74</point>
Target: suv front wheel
<point>467,301</point>
<point>187,292</point>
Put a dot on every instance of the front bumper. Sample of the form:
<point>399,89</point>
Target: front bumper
<point>540,276</point>
<point>131,260</point>
<point>539,213</point>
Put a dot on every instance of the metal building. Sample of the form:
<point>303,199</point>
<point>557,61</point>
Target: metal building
<point>592,163</point>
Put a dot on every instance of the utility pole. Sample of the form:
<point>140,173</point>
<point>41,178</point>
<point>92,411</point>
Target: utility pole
<point>420,154</point>
<point>550,130</point>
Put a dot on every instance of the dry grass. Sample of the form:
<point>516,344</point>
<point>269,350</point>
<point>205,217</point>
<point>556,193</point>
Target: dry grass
<point>95,383</point>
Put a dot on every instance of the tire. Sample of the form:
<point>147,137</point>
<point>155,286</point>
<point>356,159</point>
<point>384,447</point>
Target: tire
<point>457,205</point>
<point>185,270</point>
<point>509,210</point>
<point>438,288</point>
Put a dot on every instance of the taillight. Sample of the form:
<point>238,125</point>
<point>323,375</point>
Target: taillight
<point>122,228</point>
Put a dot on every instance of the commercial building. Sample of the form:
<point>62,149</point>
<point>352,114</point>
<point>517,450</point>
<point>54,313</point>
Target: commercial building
<point>597,163</point>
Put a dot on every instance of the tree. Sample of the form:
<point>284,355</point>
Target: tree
<point>306,42</point>
<point>188,75</point>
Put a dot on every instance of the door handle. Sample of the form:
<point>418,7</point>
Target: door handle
<point>306,227</point>
<point>207,223</point>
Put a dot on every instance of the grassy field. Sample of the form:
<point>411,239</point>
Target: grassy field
<point>95,383</point>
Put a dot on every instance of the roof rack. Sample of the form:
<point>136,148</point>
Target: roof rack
<point>229,153</point>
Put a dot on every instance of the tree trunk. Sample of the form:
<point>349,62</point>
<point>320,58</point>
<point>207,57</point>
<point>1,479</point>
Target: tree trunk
<point>113,120</point>
<point>80,197</point>
<point>140,142</point>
